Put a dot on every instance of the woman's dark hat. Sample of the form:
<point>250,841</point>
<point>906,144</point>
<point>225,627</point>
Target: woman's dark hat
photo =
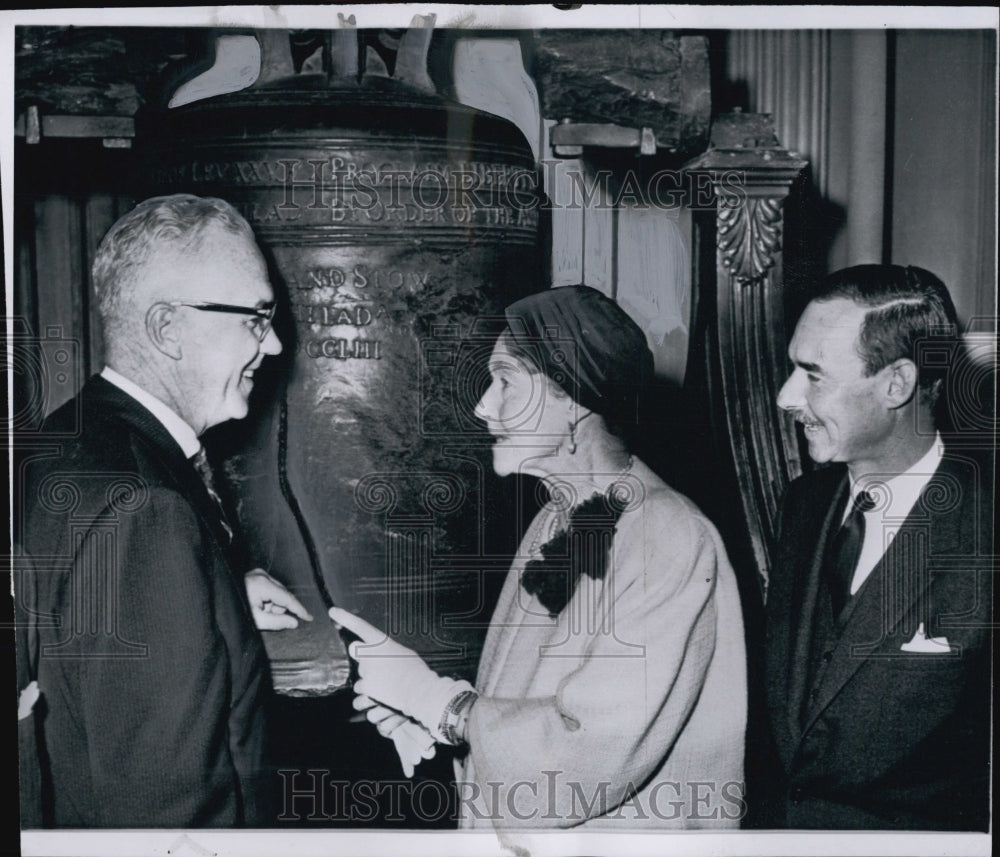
<point>588,345</point>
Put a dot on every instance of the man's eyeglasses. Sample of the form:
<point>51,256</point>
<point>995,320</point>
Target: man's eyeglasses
<point>260,324</point>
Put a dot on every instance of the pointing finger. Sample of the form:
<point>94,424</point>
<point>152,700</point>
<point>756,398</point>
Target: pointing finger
<point>357,625</point>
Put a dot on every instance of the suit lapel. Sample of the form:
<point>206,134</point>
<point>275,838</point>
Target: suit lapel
<point>807,589</point>
<point>109,400</point>
<point>808,512</point>
<point>900,583</point>
<point>176,469</point>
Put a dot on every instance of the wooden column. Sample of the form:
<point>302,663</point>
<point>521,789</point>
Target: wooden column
<point>750,176</point>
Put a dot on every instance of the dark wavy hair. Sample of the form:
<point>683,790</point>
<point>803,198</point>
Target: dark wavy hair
<point>906,306</point>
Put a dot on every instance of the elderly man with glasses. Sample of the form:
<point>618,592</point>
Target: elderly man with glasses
<point>150,664</point>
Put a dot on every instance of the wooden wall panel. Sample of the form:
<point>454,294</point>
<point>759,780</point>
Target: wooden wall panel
<point>57,237</point>
<point>25,296</point>
<point>567,222</point>
<point>654,283</point>
<point>59,278</point>
<point>600,239</point>
<point>100,212</point>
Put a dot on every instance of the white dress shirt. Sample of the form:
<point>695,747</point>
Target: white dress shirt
<point>179,430</point>
<point>894,498</point>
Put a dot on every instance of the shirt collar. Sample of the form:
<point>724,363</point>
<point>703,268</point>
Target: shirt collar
<point>903,489</point>
<point>179,430</point>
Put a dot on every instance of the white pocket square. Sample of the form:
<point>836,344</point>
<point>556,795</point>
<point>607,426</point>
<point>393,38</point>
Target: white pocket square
<point>923,644</point>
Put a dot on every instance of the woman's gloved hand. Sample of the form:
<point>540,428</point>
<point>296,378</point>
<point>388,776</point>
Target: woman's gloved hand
<point>398,678</point>
<point>413,742</point>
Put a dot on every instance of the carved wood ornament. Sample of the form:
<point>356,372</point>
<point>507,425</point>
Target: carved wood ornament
<point>751,176</point>
<point>749,235</point>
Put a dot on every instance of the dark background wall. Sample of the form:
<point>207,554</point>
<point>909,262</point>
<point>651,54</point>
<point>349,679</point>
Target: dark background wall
<point>900,130</point>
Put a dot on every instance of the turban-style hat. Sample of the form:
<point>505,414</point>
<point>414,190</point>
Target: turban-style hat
<point>586,344</point>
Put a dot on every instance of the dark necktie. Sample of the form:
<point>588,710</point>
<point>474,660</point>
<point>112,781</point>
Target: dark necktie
<point>200,462</point>
<point>845,549</point>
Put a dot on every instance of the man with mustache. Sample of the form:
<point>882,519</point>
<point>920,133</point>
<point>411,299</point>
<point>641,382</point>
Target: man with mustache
<point>152,674</point>
<point>879,604</point>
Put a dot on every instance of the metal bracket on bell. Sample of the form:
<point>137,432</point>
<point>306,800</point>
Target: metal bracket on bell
<point>569,138</point>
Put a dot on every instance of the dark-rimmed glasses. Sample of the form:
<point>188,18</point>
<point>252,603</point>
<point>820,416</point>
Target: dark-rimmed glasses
<point>262,315</point>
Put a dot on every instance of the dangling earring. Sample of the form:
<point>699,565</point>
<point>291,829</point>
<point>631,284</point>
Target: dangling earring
<point>572,439</point>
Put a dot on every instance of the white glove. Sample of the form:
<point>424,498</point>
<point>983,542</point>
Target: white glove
<point>413,742</point>
<point>397,676</point>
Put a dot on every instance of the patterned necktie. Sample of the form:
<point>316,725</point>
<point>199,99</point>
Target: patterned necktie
<point>845,550</point>
<point>200,462</point>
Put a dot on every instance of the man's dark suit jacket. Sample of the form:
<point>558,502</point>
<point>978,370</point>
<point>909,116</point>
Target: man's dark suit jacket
<point>883,738</point>
<point>153,674</point>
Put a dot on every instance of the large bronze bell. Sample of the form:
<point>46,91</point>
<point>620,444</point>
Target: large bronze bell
<point>397,224</point>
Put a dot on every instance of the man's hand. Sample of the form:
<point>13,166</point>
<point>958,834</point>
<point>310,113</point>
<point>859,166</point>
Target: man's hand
<point>274,607</point>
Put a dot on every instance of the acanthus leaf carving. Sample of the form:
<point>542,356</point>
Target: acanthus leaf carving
<point>749,235</point>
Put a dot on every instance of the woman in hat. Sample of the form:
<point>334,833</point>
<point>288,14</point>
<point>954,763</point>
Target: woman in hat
<point>611,691</point>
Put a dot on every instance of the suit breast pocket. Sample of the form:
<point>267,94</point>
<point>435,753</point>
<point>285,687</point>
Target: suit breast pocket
<point>919,663</point>
<point>898,686</point>
<point>910,675</point>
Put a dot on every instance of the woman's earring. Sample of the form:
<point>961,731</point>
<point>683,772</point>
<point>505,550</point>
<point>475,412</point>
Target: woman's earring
<point>572,438</point>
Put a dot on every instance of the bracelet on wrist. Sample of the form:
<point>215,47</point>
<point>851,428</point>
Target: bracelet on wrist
<point>455,717</point>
